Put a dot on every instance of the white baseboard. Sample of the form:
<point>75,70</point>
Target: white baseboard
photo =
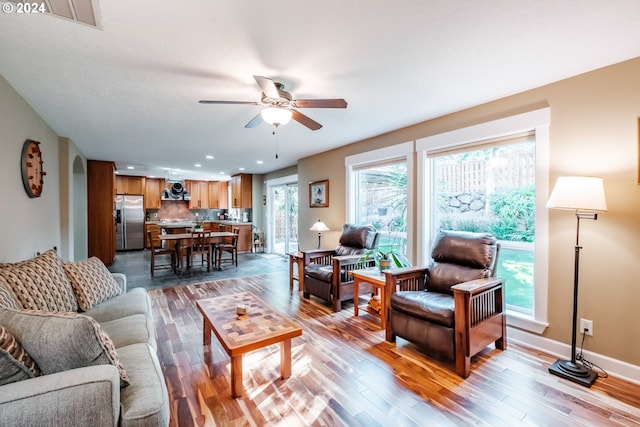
<point>613,367</point>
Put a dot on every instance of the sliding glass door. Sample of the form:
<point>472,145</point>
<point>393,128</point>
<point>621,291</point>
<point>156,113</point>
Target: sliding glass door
<point>283,226</point>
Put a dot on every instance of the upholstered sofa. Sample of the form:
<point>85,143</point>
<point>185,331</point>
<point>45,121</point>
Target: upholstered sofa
<point>77,349</point>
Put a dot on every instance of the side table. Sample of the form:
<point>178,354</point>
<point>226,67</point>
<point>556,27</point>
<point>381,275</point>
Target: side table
<point>296,258</point>
<point>377,279</point>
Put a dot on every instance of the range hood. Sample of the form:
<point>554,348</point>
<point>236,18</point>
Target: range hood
<point>175,190</point>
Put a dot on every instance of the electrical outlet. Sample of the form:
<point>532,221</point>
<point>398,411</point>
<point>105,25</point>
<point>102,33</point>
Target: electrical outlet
<point>586,325</point>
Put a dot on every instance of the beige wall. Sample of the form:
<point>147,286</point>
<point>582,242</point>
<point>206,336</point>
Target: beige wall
<point>28,225</point>
<point>73,202</point>
<point>594,131</point>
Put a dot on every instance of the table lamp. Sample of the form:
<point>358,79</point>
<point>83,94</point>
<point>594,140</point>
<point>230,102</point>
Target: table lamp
<point>319,227</point>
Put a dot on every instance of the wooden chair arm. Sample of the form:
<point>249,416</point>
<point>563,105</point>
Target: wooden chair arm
<point>315,254</point>
<point>477,286</point>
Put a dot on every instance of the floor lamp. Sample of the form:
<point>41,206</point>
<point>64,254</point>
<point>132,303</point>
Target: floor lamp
<point>585,195</point>
<point>319,227</point>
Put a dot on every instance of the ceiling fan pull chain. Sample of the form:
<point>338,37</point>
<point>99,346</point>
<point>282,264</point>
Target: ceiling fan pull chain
<point>276,135</point>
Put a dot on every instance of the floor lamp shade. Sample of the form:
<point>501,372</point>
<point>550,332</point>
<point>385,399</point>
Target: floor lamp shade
<point>585,195</point>
<point>582,193</point>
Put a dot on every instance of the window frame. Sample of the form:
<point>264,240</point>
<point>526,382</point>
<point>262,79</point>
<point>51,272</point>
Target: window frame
<point>403,151</point>
<point>537,121</point>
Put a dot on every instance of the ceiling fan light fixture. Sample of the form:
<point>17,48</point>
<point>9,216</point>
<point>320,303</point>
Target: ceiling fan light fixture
<point>276,116</point>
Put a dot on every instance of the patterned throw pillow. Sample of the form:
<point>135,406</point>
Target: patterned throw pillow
<point>15,363</point>
<point>40,283</point>
<point>92,282</point>
<point>61,341</point>
<point>7,299</point>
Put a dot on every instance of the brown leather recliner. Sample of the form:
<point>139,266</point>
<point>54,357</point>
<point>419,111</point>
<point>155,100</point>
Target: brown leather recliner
<point>326,272</point>
<point>455,307</point>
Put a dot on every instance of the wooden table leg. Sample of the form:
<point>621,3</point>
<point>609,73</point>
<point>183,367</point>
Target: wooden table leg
<point>356,297</point>
<point>206,332</point>
<point>383,320</point>
<point>291,273</point>
<point>285,359</point>
<point>236,376</point>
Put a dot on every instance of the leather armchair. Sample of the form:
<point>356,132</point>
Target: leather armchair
<point>326,272</point>
<point>453,308</point>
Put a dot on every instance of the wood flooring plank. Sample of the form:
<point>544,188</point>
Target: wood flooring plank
<point>343,373</point>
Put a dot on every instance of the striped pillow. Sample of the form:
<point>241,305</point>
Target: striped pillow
<point>92,282</point>
<point>40,283</point>
<point>15,362</point>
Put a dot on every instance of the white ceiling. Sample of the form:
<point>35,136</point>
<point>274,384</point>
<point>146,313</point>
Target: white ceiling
<point>129,91</point>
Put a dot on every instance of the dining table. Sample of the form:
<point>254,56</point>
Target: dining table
<point>179,238</point>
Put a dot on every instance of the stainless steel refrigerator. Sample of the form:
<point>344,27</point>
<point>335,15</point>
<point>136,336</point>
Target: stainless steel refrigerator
<point>129,222</point>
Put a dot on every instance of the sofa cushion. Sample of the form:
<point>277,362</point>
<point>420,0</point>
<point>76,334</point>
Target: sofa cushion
<point>40,283</point>
<point>62,341</point>
<point>134,329</point>
<point>145,401</point>
<point>91,281</point>
<point>15,362</point>
<point>7,299</point>
<point>136,301</point>
<point>432,306</point>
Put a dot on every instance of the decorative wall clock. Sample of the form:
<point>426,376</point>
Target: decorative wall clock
<point>31,165</point>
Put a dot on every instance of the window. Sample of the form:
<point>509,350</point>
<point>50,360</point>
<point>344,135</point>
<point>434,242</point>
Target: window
<point>378,189</point>
<point>494,177</point>
<point>490,187</point>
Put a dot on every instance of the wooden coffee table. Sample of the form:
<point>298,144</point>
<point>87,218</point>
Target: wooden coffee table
<point>260,327</point>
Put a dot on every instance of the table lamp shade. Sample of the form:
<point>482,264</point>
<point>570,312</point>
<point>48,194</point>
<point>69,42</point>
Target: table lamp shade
<point>319,226</point>
<point>582,193</point>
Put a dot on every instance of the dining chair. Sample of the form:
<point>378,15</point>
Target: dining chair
<point>229,245</point>
<point>200,245</point>
<point>160,251</point>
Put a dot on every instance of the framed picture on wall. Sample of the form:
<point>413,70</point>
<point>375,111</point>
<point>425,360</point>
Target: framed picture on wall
<point>319,194</point>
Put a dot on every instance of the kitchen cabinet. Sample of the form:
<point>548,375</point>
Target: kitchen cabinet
<point>218,195</point>
<point>153,193</point>
<point>101,224</point>
<point>130,184</point>
<point>199,191</point>
<point>241,191</point>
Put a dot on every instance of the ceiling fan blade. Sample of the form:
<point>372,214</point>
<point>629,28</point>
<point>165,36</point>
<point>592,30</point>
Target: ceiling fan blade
<point>206,101</point>
<point>255,121</point>
<point>320,103</point>
<point>267,86</point>
<point>305,120</point>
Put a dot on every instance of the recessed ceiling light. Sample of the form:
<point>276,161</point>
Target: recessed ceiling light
<point>152,176</point>
<point>130,167</point>
<point>221,173</point>
<point>209,156</point>
<point>259,162</point>
<point>198,165</point>
<point>240,169</point>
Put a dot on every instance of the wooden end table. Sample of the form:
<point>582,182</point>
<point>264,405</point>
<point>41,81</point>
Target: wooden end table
<point>375,278</point>
<point>260,327</point>
<point>298,259</point>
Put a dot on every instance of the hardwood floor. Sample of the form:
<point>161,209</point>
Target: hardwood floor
<point>345,374</point>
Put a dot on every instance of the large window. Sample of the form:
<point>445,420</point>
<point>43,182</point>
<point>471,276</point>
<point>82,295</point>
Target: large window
<point>494,177</point>
<point>490,187</point>
<point>378,189</point>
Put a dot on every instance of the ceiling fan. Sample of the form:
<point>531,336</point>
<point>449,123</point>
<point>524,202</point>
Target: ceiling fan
<point>281,105</point>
